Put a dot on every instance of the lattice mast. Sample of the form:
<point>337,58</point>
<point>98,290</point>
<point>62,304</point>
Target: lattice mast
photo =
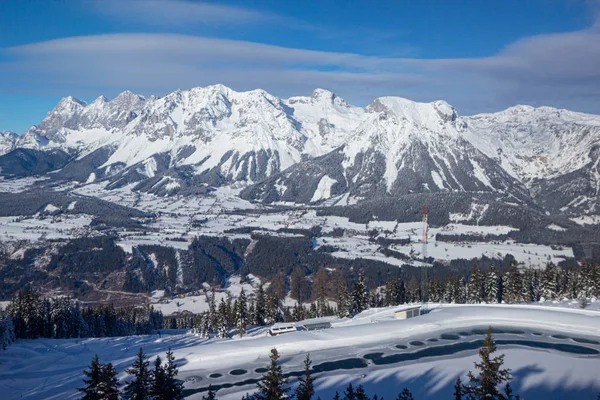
<point>424,267</point>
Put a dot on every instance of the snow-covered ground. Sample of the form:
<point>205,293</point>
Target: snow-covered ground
<point>181,219</point>
<point>36,228</point>
<point>426,354</point>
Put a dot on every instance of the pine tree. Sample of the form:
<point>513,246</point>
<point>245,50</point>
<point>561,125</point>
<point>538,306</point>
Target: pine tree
<point>211,394</point>
<point>491,286</point>
<point>139,387</point>
<point>458,390</point>
<point>212,311</point>
<point>350,394</point>
<point>260,310</point>
<point>222,325</point>
<point>461,291</point>
<point>360,294</point>
<point>343,300</point>
<point>242,313</point>
<point>305,389</point>
<point>405,395</point>
<point>91,391</point>
<point>361,394</point>
<point>109,384</point>
<point>272,386</point>
<point>512,286</point>
<point>549,287</point>
<point>491,373</point>
<point>476,288</point>
<point>158,379</point>
<point>173,386</point>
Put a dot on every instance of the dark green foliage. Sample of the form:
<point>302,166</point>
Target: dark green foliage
<point>109,384</point>
<point>272,387</point>
<point>91,391</point>
<point>140,387</point>
<point>29,162</point>
<point>305,389</point>
<point>34,317</point>
<point>7,329</point>
<point>349,393</point>
<point>458,390</point>
<point>491,374</point>
<point>211,394</point>
<point>158,386</point>
<point>405,394</point>
<point>173,386</point>
<point>212,259</point>
<point>361,394</point>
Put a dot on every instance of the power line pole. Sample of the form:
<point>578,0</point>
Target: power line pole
<point>424,267</point>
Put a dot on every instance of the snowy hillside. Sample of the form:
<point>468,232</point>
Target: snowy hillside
<point>426,354</point>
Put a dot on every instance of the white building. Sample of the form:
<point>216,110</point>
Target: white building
<point>408,312</point>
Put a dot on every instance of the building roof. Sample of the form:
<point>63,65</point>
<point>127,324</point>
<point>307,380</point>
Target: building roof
<point>408,307</point>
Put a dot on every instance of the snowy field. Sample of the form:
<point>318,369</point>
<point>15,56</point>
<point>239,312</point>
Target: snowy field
<point>180,219</point>
<point>215,215</point>
<point>554,354</point>
<point>36,228</point>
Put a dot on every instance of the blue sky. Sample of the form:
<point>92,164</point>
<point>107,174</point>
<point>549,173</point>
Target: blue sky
<point>478,55</point>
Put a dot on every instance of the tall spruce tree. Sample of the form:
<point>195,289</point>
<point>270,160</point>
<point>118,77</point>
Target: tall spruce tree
<point>272,386</point>
<point>211,394</point>
<point>344,303</point>
<point>361,394</point>
<point>491,374</point>
<point>405,394</point>
<point>492,286</point>
<point>260,310</point>
<point>173,386</point>
<point>512,287</point>
<point>158,386</point>
<point>459,390</point>
<point>305,389</point>
<point>109,384</point>
<point>140,387</point>
<point>349,393</point>
<point>476,288</point>
<point>242,313</point>
<point>360,294</point>
<point>91,391</point>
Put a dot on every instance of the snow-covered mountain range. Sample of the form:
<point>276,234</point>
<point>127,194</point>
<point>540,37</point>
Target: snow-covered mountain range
<point>319,148</point>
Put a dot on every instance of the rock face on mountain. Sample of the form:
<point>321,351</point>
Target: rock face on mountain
<point>401,147</point>
<point>555,153</point>
<point>8,141</point>
<point>315,149</point>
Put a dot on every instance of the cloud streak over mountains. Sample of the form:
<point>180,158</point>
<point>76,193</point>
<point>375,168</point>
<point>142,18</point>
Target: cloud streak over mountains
<point>178,12</point>
<point>554,69</point>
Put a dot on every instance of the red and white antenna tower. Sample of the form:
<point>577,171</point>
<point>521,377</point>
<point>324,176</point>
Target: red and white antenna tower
<point>425,267</point>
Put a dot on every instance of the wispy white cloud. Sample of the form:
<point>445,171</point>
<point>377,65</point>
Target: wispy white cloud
<point>557,69</point>
<point>173,13</point>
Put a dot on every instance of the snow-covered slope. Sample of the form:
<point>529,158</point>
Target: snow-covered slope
<point>536,143</point>
<point>320,149</point>
<point>425,354</point>
<point>554,152</point>
<point>223,135</point>
<point>400,147</point>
